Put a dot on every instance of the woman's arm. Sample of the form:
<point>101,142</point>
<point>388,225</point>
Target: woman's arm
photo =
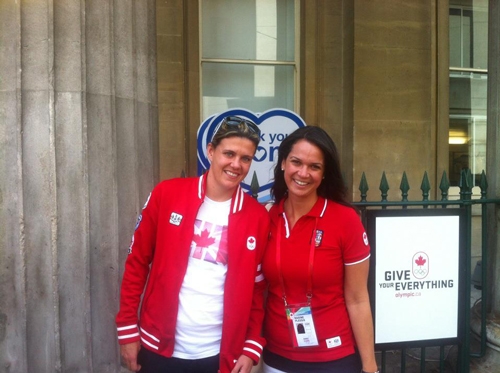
<point>358,306</point>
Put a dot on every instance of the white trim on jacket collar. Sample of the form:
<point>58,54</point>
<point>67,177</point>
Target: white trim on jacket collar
<point>324,208</point>
<point>236,200</point>
<point>200,186</point>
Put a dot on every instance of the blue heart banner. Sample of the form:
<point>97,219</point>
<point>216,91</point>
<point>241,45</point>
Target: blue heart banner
<point>275,125</point>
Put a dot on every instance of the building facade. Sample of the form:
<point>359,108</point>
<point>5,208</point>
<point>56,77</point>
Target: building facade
<point>99,100</point>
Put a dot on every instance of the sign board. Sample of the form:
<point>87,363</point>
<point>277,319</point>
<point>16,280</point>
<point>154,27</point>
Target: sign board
<point>274,124</point>
<point>416,276</point>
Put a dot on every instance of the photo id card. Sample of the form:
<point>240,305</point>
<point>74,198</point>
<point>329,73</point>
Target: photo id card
<point>301,326</point>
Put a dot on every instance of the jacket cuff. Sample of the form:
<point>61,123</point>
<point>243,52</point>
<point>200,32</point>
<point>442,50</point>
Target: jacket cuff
<point>128,334</point>
<point>253,350</point>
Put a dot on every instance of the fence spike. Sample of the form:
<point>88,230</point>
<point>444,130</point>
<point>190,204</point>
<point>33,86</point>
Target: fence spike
<point>384,187</point>
<point>183,174</point>
<point>363,187</point>
<point>254,186</point>
<point>444,186</point>
<point>483,184</point>
<point>404,187</point>
<point>425,187</point>
<point>465,184</point>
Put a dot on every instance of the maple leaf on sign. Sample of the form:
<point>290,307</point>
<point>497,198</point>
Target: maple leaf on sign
<point>204,239</point>
<point>420,261</point>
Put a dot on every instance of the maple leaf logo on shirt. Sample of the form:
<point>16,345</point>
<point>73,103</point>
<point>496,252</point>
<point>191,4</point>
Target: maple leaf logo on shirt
<point>203,239</point>
<point>209,242</point>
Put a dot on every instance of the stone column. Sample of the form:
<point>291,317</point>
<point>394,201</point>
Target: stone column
<point>491,360</point>
<point>78,157</point>
<point>493,150</point>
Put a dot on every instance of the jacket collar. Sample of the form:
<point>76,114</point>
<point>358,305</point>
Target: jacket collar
<point>236,199</point>
<point>317,211</point>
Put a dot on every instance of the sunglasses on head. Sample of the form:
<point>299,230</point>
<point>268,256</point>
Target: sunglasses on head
<point>236,121</point>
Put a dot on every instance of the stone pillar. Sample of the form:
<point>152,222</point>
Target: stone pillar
<point>491,360</point>
<point>493,150</point>
<point>78,157</point>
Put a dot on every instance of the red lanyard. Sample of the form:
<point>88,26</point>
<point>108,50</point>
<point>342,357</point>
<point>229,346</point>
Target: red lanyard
<point>310,266</point>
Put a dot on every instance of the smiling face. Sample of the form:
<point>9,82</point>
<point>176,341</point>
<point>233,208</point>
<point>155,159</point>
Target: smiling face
<point>230,163</point>
<point>303,168</point>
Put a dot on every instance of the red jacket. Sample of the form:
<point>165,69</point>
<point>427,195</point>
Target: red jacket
<point>162,238</point>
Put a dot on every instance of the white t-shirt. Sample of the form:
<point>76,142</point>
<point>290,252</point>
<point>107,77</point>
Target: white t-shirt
<point>199,320</point>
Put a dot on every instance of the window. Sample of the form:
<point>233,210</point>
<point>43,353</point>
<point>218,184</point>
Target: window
<point>248,55</point>
<point>468,87</point>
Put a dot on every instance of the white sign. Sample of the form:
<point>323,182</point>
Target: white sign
<point>275,125</point>
<point>416,279</point>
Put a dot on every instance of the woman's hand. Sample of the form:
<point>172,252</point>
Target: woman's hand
<point>129,354</point>
<point>243,365</point>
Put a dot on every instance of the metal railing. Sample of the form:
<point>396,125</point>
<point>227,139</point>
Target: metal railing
<point>465,201</point>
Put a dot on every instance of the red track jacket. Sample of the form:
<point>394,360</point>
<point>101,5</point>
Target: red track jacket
<point>162,238</point>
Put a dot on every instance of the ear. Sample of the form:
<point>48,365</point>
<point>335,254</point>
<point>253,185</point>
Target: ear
<point>210,151</point>
<point>283,165</point>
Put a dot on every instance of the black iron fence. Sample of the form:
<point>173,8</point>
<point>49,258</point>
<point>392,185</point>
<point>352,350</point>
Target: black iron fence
<point>466,200</point>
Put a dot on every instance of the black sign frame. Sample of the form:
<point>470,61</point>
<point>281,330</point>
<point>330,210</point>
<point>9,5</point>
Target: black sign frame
<point>372,216</point>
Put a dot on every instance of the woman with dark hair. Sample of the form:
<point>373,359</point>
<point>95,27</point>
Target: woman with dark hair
<point>333,186</point>
<point>318,316</point>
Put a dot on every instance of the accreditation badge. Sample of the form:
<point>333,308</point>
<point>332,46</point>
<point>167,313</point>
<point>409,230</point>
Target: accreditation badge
<point>301,325</point>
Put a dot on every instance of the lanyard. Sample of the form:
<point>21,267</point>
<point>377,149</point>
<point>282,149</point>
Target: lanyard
<point>310,266</point>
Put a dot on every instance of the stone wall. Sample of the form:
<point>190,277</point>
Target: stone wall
<point>78,157</point>
<point>400,93</point>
